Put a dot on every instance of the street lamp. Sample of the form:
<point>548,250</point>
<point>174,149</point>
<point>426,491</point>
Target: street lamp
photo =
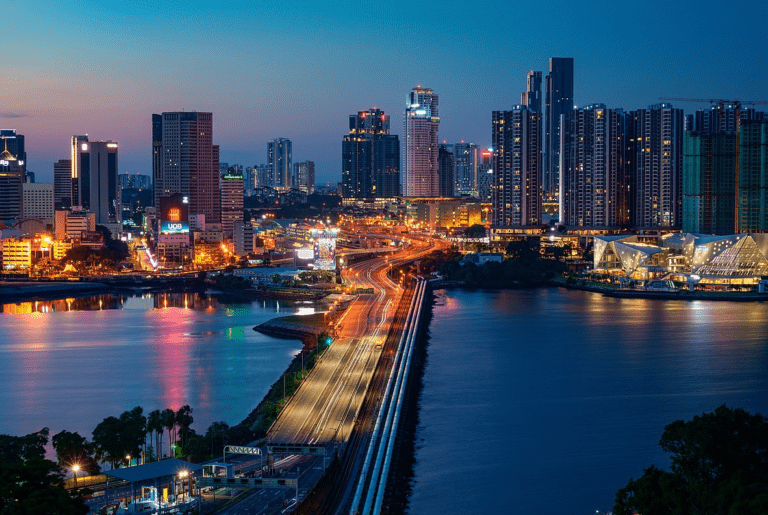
<point>75,469</point>
<point>128,459</point>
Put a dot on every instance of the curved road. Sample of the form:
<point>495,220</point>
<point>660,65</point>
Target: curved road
<point>324,408</point>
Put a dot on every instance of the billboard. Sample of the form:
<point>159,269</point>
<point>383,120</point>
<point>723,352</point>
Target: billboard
<point>325,248</point>
<point>174,214</point>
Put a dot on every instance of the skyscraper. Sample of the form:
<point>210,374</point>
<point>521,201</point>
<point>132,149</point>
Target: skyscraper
<point>559,101</point>
<point>370,157</point>
<point>11,180</point>
<point>485,176</point>
<point>466,160</point>
<point>231,200</point>
<point>185,161</point>
<point>419,171</point>
<point>753,175</point>
<point>531,98</point>
<point>517,167</point>
<point>62,184</point>
<point>709,182</point>
<point>655,163</point>
<point>446,170</point>
<point>14,143</point>
<point>593,180</point>
<point>304,176</point>
<point>281,163</point>
<point>725,171</point>
<point>95,184</point>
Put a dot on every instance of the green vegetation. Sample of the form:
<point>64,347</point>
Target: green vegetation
<point>31,484</point>
<point>232,282</point>
<point>524,265</point>
<point>719,466</point>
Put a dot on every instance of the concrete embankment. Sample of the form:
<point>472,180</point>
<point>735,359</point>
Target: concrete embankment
<point>291,328</point>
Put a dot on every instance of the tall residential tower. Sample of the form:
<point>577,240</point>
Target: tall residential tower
<point>420,168</point>
<point>559,101</point>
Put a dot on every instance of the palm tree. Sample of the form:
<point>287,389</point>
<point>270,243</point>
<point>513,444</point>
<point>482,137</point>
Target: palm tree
<point>154,425</point>
<point>168,418</point>
<point>184,419</point>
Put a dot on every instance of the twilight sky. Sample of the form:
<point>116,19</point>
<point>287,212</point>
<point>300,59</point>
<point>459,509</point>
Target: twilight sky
<point>298,69</point>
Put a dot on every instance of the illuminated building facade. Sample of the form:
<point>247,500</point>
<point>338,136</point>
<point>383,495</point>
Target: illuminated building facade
<point>517,167</point>
<point>370,157</point>
<point>38,200</point>
<point>280,155</point>
<point>231,201</point>
<point>593,180</point>
<point>655,163</point>
<point>753,176</point>
<point>420,151</point>
<point>95,183</point>
<point>559,101</point>
<point>12,172</point>
<point>304,176</point>
<point>186,161</point>
<point>485,176</point>
<point>465,157</point>
<point>735,259</point>
<point>71,225</point>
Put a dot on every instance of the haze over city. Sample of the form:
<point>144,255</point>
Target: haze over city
<point>299,69</point>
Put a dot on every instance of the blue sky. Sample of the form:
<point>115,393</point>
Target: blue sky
<point>299,69</point>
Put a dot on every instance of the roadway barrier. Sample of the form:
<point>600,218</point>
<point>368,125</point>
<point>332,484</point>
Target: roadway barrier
<point>382,445</point>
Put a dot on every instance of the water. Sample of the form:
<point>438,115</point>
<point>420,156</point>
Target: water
<point>68,364</point>
<point>548,401</point>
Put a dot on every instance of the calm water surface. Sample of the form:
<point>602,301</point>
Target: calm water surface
<point>68,364</point>
<point>548,401</point>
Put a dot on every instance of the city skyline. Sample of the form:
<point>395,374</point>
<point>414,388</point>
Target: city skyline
<point>144,66</point>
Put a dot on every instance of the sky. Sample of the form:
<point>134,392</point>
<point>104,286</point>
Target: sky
<point>298,69</point>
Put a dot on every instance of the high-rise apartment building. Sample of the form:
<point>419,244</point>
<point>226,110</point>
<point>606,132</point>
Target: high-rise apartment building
<point>95,184</point>
<point>531,98</point>
<point>279,153</point>
<point>753,175</point>
<point>186,161</point>
<point>485,176</point>
<point>446,170</point>
<point>263,176</point>
<point>370,157</point>
<point>517,167</point>
<point>709,182</point>
<point>725,171</point>
<point>62,184</point>
<point>655,166</point>
<point>304,176</point>
<point>465,156</point>
<point>231,201</point>
<point>419,170</point>
<point>559,101</point>
<point>593,180</point>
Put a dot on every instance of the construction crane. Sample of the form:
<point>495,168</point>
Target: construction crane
<point>721,104</point>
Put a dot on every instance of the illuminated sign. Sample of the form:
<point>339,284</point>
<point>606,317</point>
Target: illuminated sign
<point>21,163</point>
<point>111,145</point>
<point>84,147</point>
<point>174,214</point>
<point>305,253</point>
<point>174,227</point>
<point>3,163</point>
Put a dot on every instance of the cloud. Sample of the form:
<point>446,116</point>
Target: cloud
<point>11,115</point>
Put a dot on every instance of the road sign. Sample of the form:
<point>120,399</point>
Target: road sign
<point>311,450</point>
<point>235,449</point>
<point>267,482</point>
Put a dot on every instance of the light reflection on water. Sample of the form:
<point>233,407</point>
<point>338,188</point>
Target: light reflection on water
<point>69,363</point>
<point>548,401</point>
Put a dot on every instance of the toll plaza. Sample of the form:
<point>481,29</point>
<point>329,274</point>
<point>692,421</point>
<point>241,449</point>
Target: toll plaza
<point>159,487</point>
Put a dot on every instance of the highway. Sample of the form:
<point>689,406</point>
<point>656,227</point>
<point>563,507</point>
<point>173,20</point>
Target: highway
<point>325,407</point>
